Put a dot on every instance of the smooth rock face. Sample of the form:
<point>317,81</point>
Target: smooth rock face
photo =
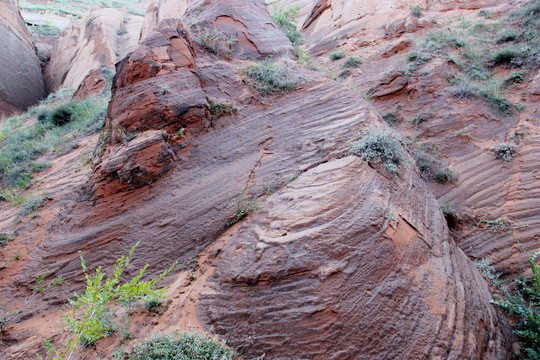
<point>21,81</point>
<point>86,45</point>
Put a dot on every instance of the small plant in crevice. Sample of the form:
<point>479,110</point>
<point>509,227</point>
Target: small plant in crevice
<point>450,214</point>
<point>34,204</point>
<point>9,316</point>
<point>218,109</point>
<point>379,146</point>
<point>191,266</point>
<point>392,117</point>
<point>505,151</point>
<point>446,175</point>
<point>182,345</point>
<point>5,238</point>
<point>417,11</point>
<point>285,18</point>
<point>352,62</point>
<point>244,205</point>
<point>423,117</point>
<point>496,225</point>
<point>270,77</point>
<point>337,54</point>
<point>214,40</point>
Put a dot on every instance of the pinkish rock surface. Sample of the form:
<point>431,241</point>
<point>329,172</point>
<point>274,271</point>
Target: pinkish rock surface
<point>21,81</point>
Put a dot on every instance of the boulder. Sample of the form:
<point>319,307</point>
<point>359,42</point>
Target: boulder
<point>21,81</point>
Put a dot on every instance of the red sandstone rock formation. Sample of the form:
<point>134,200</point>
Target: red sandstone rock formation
<point>86,45</point>
<point>21,81</point>
<point>342,261</point>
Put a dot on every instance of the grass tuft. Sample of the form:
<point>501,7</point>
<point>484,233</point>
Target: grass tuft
<point>269,77</point>
<point>379,146</point>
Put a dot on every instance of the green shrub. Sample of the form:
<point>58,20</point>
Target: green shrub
<point>498,224</point>
<point>337,54</point>
<point>269,77</point>
<point>392,118</point>
<point>485,13</point>
<point>446,175</point>
<point>5,238</point>
<point>20,144</point>
<point>507,34</point>
<point>219,109</point>
<point>244,205</point>
<point>504,56</point>
<point>90,319</point>
<point>515,77</point>
<point>186,345</point>
<point>523,301</point>
<point>496,102</point>
<point>421,119</point>
<point>352,61</point>
<point>214,40</point>
<point>417,11</point>
<point>379,146</point>
<point>34,204</point>
<point>505,151</point>
<point>121,31</point>
<point>286,20</point>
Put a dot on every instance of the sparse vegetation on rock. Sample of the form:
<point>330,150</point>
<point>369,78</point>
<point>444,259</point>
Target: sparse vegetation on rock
<point>380,146</point>
<point>182,345</point>
<point>285,18</point>
<point>505,151</point>
<point>270,77</point>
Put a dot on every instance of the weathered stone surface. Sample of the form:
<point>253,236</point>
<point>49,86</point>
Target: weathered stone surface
<point>247,22</point>
<point>85,45</point>
<point>21,81</point>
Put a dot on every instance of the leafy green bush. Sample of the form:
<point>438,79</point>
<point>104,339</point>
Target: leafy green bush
<point>379,146</point>
<point>186,345</point>
<point>286,20</point>
<point>505,151</point>
<point>524,302</point>
<point>352,61</point>
<point>269,77</point>
<point>89,319</point>
<point>337,54</point>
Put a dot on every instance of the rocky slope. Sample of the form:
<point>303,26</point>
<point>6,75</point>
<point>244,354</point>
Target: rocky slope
<point>21,81</point>
<point>460,132</point>
<point>342,259</point>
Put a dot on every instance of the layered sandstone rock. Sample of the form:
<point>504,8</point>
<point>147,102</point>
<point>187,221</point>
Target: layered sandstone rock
<point>21,81</point>
<point>343,260</point>
<point>86,45</point>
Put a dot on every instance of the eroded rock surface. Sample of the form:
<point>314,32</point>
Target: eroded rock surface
<point>21,81</point>
<point>85,45</point>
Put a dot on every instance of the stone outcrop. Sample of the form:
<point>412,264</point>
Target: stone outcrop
<point>340,259</point>
<point>85,45</point>
<point>21,81</point>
